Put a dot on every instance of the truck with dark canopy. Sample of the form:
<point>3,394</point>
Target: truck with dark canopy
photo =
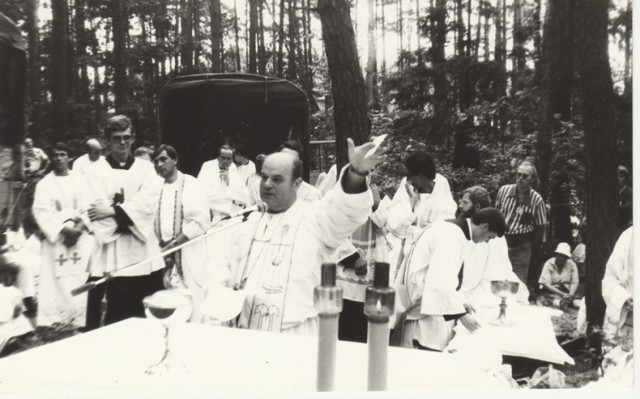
<point>199,113</point>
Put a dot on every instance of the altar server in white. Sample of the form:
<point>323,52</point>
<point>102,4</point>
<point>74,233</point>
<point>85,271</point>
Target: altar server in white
<point>124,193</point>
<point>428,285</point>
<point>276,257</point>
<point>182,214</point>
<point>60,209</point>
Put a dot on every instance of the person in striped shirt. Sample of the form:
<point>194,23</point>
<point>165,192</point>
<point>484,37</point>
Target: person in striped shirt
<point>525,213</point>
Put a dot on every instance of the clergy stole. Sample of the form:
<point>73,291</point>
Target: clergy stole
<point>177,275</point>
<point>267,269</point>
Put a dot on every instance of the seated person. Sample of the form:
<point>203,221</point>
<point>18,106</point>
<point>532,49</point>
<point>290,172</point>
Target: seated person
<point>559,278</point>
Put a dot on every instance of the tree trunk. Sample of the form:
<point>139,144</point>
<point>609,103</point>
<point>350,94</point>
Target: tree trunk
<point>460,30</point>
<point>557,54</point>
<point>236,29</point>
<point>186,53</point>
<point>35,98</point>
<point>217,46</point>
<point>400,28</point>
<point>383,25</point>
<point>372,67</point>
<point>253,36</point>
<point>418,26</point>
<point>438,42</point>
<point>537,44</point>
<point>293,29</point>
<point>81,50</point>
<point>469,43</point>
<point>347,84</point>
<point>628,34</point>
<point>596,90</point>
<point>262,53</point>
<point>518,52</point>
<point>59,83</point>
<point>280,67</point>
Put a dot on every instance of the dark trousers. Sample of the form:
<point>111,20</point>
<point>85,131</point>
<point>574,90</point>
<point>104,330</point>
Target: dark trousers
<point>94,308</point>
<point>125,295</point>
<point>353,322</point>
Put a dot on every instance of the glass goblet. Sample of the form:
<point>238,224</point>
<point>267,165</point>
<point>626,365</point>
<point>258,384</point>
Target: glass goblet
<point>169,307</point>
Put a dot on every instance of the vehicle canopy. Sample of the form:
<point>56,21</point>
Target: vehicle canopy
<point>200,113</point>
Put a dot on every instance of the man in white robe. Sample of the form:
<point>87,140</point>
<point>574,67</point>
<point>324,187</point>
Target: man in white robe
<point>275,257</point>
<point>222,184</point>
<point>124,194</point>
<point>182,214</point>
<point>93,155</point>
<point>617,285</point>
<point>427,285</point>
<point>60,209</point>
<point>306,192</point>
<point>246,167</point>
<point>485,262</point>
<point>423,198</point>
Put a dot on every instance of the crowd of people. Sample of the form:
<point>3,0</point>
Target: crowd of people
<point>114,216</point>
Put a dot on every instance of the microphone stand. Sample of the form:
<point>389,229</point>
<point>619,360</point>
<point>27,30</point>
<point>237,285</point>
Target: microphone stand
<point>211,231</point>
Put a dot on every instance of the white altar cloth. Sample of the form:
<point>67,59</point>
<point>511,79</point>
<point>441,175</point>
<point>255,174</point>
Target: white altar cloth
<point>531,336</point>
<point>112,360</point>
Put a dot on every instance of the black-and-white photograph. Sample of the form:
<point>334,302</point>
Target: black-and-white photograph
<point>267,197</point>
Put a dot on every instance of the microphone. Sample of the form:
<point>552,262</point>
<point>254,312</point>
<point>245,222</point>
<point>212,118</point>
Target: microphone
<point>259,207</point>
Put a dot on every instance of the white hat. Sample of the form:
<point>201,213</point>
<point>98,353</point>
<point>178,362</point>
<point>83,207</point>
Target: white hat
<point>564,249</point>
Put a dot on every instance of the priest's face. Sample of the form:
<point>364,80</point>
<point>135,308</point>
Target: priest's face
<point>165,166</point>
<point>60,161</point>
<point>121,142</point>
<point>225,159</point>
<point>278,188</point>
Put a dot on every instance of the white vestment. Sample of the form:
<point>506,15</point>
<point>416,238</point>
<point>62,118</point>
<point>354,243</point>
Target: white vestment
<point>483,263</point>
<point>224,198</point>
<point>406,224</point>
<point>253,185</point>
<point>276,258</point>
<point>246,171</point>
<point>308,193</point>
<point>617,284</point>
<point>430,275</point>
<point>136,192</point>
<point>328,180</point>
<point>194,215</point>
<point>57,200</point>
<point>81,164</point>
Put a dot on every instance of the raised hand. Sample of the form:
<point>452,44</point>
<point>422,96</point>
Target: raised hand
<point>359,160</point>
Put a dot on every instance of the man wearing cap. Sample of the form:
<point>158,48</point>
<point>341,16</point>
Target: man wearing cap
<point>559,278</point>
<point>93,155</point>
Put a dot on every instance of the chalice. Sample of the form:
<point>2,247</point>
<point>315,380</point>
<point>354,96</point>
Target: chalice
<point>503,289</point>
<point>169,307</point>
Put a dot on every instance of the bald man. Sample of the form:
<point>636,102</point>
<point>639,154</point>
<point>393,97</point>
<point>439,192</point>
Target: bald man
<point>94,150</point>
<point>275,257</point>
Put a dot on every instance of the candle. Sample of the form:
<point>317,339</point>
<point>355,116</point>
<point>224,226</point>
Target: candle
<point>328,302</point>
<point>378,306</point>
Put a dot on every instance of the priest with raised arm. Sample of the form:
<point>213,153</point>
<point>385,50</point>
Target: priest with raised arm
<point>275,258</point>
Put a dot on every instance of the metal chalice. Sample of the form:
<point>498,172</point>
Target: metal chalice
<point>503,289</point>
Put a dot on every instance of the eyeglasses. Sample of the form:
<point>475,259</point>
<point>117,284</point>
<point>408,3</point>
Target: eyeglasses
<point>121,139</point>
<point>522,175</point>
